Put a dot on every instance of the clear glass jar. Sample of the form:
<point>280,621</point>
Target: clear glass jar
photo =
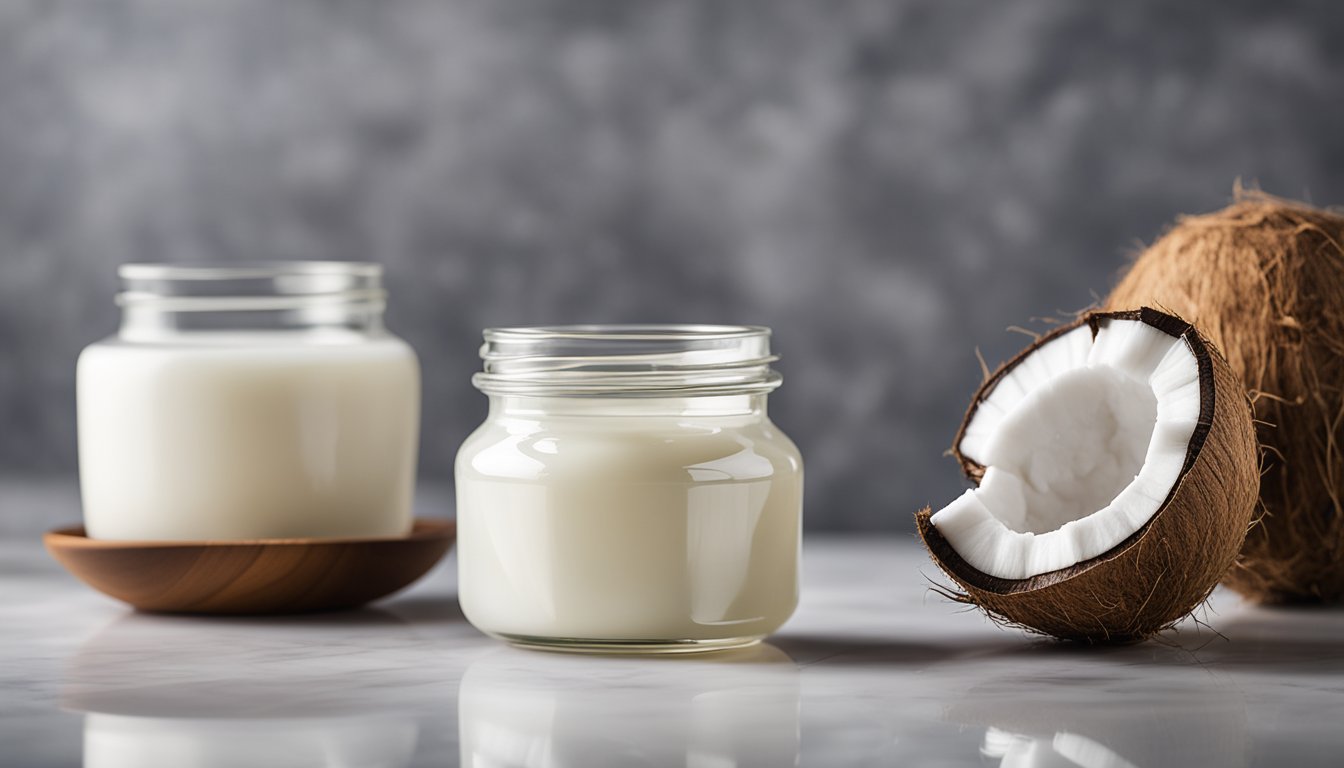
<point>627,491</point>
<point>251,401</point>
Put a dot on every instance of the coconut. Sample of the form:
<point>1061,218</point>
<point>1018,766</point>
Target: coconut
<point>1115,470</point>
<point>1264,279</point>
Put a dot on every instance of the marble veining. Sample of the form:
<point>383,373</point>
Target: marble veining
<point>875,669</point>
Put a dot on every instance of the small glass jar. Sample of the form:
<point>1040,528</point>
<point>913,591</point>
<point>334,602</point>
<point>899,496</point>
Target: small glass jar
<point>251,401</point>
<point>627,491</point>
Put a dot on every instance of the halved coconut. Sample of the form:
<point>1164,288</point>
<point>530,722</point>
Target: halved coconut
<point>1117,472</point>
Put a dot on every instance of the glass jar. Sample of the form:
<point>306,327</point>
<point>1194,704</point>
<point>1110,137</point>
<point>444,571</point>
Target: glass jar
<point>252,401</point>
<point>627,491</point>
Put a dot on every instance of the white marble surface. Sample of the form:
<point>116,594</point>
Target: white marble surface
<point>873,670</point>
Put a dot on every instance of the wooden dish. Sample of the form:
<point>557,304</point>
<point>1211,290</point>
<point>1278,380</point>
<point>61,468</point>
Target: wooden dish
<point>251,577</point>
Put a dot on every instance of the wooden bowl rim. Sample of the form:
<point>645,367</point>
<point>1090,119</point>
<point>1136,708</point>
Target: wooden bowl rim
<point>74,537</point>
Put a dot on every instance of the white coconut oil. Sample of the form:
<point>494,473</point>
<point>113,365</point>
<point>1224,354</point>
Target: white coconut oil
<point>633,522</point>
<point>228,417</point>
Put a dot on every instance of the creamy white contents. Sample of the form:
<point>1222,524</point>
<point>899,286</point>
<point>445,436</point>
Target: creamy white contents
<point>621,526</point>
<point>243,436</point>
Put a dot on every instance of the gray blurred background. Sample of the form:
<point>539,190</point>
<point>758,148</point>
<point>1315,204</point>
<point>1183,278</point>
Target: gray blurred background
<point>887,184</point>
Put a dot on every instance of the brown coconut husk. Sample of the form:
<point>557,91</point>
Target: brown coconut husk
<point>1168,567</point>
<point>1264,280</point>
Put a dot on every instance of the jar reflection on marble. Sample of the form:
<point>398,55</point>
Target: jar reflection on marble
<point>189,694</point>
<point>628,490</point>
<point>740,709</point>
<point>121,741</point>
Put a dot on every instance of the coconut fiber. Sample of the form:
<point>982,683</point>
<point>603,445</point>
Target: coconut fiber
<point>1263,279</point>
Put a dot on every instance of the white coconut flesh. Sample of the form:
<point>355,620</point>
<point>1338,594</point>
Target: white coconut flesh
<point>1082,442</point>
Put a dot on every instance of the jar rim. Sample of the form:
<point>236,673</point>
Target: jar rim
<point>244,269</point>
<point>249,285</point>
<point>161,300</point>
<point>634,332</point>
<point>614,360</point>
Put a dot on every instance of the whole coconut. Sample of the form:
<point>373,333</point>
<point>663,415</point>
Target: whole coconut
<point>1264,280</point>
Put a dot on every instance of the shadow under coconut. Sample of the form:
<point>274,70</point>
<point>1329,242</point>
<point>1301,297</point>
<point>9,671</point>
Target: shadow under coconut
<point>1283,640</point>
<point>877,651</point>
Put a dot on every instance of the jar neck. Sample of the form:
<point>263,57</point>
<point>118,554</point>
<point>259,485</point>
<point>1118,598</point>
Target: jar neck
<point>747,407</point>
<point>160,301</point>
<point>150,323</point>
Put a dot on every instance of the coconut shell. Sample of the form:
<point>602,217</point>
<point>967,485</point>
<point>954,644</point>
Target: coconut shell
<point>1264,280</point>
<point>1170,565</point>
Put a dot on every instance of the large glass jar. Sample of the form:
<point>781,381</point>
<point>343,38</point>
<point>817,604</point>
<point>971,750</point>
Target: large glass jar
<point>627,491</point>
<point>251,401</point>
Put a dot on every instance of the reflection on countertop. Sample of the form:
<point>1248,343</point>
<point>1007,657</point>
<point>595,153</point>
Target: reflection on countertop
<point>165,692</point>
<point>120,741</point>
<point>873,670</point>
<point>1199,720</point>
<point>732,708</point>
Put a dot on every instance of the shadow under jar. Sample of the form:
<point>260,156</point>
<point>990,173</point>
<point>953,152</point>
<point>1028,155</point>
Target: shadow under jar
<point>248,401</point>
<point>627,491</point>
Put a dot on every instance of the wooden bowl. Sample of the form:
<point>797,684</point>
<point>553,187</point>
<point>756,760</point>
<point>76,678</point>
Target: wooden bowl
<point>251,577</point>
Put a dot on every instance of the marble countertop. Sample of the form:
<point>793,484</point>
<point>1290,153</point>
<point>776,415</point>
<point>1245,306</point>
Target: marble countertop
<point>875,669</point>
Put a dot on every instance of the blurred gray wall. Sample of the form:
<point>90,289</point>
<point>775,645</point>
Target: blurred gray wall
<point>887,184</point>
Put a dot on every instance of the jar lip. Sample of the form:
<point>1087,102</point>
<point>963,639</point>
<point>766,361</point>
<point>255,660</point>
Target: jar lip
<point>621,332</point>
<point>244,270</point>
<point>611,360</point>
<point>132,299</point>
